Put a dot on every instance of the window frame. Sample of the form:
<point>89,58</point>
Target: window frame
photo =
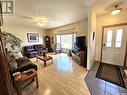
<point>67,34</point>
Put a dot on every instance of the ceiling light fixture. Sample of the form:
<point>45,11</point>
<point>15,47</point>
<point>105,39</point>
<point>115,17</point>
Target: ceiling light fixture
<point>41,21</point>
<point>40,24</point>
<point>116,10</point>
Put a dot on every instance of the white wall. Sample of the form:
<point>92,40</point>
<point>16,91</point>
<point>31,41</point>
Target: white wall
<point>91,42</point>
<point>80,27</point>
<point>21,32</point>
<point>103,21</point>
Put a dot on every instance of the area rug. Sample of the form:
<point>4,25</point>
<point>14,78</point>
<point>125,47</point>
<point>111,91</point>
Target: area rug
<point>110,73</point>
<point>52,53</point>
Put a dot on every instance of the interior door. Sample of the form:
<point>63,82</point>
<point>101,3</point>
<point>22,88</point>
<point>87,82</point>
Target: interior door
<point>114,44</point>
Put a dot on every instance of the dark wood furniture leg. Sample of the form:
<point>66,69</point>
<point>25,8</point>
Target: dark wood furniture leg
<point>45,63</point>
<point>36,59</point>
<point>37,84</point>
<point>18,89</point>
<point>52,60</point>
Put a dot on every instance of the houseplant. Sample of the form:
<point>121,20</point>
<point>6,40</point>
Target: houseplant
<point>10,40</point>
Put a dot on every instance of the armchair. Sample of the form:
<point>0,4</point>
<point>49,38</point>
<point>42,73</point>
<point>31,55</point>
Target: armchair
<point>29,51</point>
<point>18,65</point>
<point>22,64</point>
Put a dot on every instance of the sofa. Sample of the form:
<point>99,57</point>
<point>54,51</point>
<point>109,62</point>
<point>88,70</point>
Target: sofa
<point>19,65</point>
<point>33,50</point>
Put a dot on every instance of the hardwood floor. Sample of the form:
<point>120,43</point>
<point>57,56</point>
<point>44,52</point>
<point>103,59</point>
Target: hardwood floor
<point>63,77</point>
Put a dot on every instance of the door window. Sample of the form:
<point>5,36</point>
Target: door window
<point>109,38</point>
<point>118,38</point>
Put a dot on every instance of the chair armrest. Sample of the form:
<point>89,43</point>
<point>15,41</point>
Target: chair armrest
<point>25,67</point>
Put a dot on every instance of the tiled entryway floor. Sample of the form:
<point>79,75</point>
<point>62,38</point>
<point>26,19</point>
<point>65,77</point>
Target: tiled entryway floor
<point>101,87</point>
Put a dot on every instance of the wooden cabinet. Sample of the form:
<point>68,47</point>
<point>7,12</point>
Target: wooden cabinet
<point>80,57</point>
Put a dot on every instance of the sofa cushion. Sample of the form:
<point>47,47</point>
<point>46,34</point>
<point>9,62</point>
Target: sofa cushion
<point>12,63</point>
<point>29,48</point>
<point>17,55</point>
<point>38,47</point>
<point>125,73</point>
<point>23,61</point>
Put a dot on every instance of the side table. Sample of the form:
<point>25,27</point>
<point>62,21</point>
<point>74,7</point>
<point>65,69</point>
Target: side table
<point>25,77</point>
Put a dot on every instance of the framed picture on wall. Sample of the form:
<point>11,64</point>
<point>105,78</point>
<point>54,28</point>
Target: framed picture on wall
<point>33,37</point>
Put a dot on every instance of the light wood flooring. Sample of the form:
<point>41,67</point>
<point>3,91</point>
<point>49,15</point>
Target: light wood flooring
<point>63,77</point>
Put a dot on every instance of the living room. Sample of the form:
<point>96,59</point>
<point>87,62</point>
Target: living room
<point>66,46</point>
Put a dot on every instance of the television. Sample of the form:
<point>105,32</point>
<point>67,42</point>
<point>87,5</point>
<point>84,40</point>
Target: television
<point>81,42</point>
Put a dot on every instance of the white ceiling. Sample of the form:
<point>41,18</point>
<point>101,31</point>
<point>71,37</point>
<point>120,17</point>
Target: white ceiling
<point>103,7</point>
<point>59,12</point>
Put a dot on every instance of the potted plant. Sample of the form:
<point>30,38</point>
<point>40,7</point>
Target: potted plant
<point>10,40</point>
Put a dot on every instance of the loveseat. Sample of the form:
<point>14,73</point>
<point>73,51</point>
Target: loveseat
<point>33,50</point>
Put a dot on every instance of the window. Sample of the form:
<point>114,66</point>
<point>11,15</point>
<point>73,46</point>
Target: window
<point>74,37</point>
<point>58,39</point>
<point>74,40</point>
<point>118,38</point>
<point>109,38</point>
<point>66,40</point>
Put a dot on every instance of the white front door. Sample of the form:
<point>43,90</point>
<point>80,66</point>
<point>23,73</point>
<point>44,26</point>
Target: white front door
<point>114,44</point>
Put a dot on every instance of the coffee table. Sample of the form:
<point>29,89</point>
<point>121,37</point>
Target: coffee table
<point>44,59</point>
<point>25,77</point>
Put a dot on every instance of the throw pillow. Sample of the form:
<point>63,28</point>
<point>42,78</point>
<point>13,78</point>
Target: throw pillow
<point>125,73</point>
<point>8,56</point>
<point>17,55</point>
<point>12,63</point>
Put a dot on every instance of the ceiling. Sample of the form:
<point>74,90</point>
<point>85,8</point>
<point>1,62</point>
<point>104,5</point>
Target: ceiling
<point>58,12</point>
<point>103,7</point>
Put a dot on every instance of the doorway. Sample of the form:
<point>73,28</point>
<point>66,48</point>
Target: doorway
<point>114,44</point>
